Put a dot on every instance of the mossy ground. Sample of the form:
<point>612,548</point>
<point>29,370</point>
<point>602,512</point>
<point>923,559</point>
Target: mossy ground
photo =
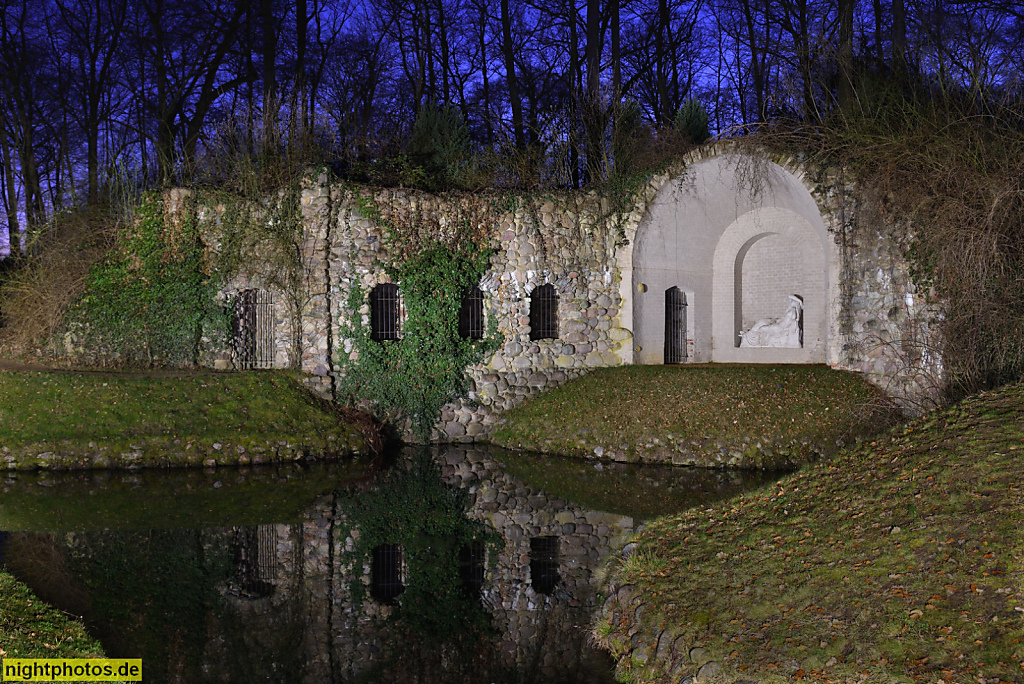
<point>30,628</point>
<point>900,560</point>
<point>81,412</point>
<point>795,412</point>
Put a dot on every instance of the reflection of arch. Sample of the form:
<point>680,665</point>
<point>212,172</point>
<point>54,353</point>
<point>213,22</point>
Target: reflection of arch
<point>472,558</point>
<point>386,583</point>
<point>544,564</point>
<point>255,555</point>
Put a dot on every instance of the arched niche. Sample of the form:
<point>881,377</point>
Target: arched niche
<point>762,258</point>
<point>758,208</point>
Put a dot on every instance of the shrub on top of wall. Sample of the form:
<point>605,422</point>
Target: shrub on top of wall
<point>151,301</point>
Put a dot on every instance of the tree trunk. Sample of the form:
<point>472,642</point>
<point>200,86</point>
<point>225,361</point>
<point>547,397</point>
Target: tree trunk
<point>270,104</point>
<point>845,90</point>
<point>510,75</point>
<point>593,110</point>
<point>899,37</point>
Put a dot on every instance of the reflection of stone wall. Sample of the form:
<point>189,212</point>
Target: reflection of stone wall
<point>543,637</point>
<point>548,630</point>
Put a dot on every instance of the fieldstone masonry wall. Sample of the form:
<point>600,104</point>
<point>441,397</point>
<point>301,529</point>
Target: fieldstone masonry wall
<point>862,311</point>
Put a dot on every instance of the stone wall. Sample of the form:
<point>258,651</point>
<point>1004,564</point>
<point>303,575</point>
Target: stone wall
<point>862,313</point>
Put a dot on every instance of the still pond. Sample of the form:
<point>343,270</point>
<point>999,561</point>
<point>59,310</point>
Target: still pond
<point>455,565</point>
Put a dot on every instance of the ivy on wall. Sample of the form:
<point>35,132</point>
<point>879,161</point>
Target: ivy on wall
<point>416,375</point>
<point>152,300</point>
<point>265,241</point>
<point>411,506</point>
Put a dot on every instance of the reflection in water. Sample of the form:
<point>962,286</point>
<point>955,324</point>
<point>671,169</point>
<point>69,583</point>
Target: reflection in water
<point>446,567</point>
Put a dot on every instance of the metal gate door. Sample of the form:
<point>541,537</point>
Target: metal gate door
<point>675,326</point>
<point>254,330</point>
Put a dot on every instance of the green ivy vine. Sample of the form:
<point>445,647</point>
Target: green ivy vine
<point>411,506</point>
<point>152,300</point>
<point>416,375</point>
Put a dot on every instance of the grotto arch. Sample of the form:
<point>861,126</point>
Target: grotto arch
<point>739,235</point>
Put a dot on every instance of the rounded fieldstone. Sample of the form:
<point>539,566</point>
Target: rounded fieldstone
<point>708,670</point>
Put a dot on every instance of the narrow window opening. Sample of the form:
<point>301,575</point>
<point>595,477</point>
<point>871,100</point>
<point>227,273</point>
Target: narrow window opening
<point>675,326</point>
<point>255,556</point>
<point>472,559</point>
<point>386,573</point>
<point>471,314</point>
<point>544,564</point>
<point>385,306</point>
<point>253,330</point>
<point>544,313</point>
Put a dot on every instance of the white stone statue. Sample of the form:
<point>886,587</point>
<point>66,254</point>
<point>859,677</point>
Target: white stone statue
<point>777,332</point>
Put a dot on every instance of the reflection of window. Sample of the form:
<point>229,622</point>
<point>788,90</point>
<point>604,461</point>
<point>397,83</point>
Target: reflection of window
<point>384,313</point>
<point>471,314</point>
<point>471,566</point>
<point>253,330</point>
<point>675,325</point>
<point>544,564</point>
<point>386,573</point>
<point>544,313</point>
<point>255,555</point>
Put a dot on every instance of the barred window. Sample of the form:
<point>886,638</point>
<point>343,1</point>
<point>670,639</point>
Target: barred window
<point>544,313</point>
<point>385,307</point>
<point>471,314</point>
<point>386,573</point>
<point>253,330</point>
<point>544,564</point>
<point>471,566</point>
<point>255,549</point>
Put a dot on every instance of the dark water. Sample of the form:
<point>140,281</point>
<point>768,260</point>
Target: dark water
<point>460,565</point>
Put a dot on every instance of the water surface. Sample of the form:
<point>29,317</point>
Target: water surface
<point>458,565</point>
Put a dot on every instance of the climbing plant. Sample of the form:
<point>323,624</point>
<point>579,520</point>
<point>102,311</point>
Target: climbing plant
<point>263,237</point>
<point>151,300</point>
<point>412,507</point>
<point>416,375</point>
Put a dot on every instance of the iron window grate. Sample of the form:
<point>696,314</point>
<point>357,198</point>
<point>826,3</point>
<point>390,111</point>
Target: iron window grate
<point>386,573</point>
<point>255,553</point>
<point>675,325</point>
<point>544,313</point>
<point>253,330</point>
<point>471,314</point>
<point>472,558</point>
<point>385,307</point>
<point>544,564</point>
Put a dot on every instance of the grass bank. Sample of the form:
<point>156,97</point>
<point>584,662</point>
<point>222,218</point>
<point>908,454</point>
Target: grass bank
<point>752,416</point>
<point>68,420</point>
<point>897,561</point>
<point>30,628</point>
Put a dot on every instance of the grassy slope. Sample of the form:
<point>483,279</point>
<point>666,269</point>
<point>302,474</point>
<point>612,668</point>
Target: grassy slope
<point>633,408</point>
<point>30,628</point>
<point>69,410</point>
<point>901,559</point>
